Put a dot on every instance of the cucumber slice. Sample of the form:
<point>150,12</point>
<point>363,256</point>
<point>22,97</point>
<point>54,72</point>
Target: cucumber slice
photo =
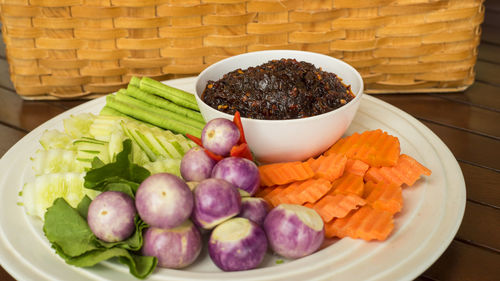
<point>139,157</point>
<point>153,143</point>
<point>88,142</point>
<point>78,125</point>
<point>173,140</point>
<point>173,152</point>
<point>52,139</point>
<point>172,166</point>
<point>115,144</point>
<point>56,161</point>
<point>183,142</point>
<point>132,133</point>
<point>88,148</point>
<point>103,126</point>
<point>38,195</point>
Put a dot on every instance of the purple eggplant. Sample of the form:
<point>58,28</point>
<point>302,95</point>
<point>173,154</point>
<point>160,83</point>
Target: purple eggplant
<point>241,172</point>
<point>294,231</point>
<point>176,247</point>
<point>237,244</point>
<point>196,165</point>
<point>215,201</point>
<point>164,200</point>
<point>254,209</point>
<point>220,135</point>
<point>111,216</point>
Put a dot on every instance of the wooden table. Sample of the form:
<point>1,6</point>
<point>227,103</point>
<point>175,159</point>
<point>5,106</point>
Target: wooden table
<point>468,122</point>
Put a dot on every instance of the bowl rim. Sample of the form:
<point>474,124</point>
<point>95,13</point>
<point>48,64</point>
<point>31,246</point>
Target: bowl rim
<point>283,53</point>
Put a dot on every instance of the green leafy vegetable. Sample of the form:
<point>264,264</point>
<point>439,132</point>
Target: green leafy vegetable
<point>67,230</point>
<point>83,206</point>
<point>121,175</point>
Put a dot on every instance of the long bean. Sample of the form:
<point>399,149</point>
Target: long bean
<point>163,103</point>
<point>135,81</point>
<point>151,117</point>
<point>175,95</point>
<point>123,97</point>
<point>106,110</point>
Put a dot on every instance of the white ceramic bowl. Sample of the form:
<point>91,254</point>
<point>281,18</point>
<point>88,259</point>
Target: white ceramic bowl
<point>294,139</point>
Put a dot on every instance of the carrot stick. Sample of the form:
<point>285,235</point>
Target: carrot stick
<point>313,190</point>
<point>365,223</point>
<point>336,206</point>
<point>385,196</point>
<point>373,224</point>
<point>329,167</point>
<point>310,190</point>
<point>348,184</point>
<point>263,191</point>
<point>273,196</point>
<point>355,166</point>
<point>376,148</point>
<point>283,173</point>
<point>406,171</point>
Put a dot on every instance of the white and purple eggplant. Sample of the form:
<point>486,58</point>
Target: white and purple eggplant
<point>111,216</point>
<point>220,135</point>
<point>164,200</point>
<point>239,171</point>
<point>175,247</point>
<point>237,244</point>
<point>294,231</point>
<point>254,209</point>
<point>215,200</point>
<point>196,165</point>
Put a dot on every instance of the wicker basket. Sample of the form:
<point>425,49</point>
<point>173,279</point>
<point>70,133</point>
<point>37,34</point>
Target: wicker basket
<point>86,48</point>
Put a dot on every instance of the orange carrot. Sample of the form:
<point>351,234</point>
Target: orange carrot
<point>337,227</point>
<point>336,206</point>
<point>283,195</point>
<point>283,173</point>
<point>262,191</point>
<point>355,166</point>
<point>406,171</point>
<point>387,174</point>
<point>376,148</point>
<point>348,184</point>
<point>310,161</point>
<point>308,191</point>
<point>366,223</point>
<point>329,167</point>
<point>273,196</point>
<point>334,185</point>
<point>367,189</point>
<point>385,196</point>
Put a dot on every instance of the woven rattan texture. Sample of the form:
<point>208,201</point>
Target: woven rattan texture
<point>86,48</point>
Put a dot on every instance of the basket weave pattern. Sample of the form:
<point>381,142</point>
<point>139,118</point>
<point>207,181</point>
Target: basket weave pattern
<point>86,48</point>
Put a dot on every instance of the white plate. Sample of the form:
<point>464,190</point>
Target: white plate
<point>432,212</point>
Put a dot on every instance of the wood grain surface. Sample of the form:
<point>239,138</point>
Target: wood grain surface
<point>468,122</point>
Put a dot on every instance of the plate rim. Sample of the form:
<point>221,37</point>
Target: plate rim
<point>420,126</point>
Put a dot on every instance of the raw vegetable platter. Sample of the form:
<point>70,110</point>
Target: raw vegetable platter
<point>430,218</point>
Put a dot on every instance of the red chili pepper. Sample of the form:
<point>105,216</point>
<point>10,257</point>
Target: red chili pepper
<point>237,122</point>
<point>214,156</point>
<point>208,152</point>
<point>195,139</point>
<point>242,150</point>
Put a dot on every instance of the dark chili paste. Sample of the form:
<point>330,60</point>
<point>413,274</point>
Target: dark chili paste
<point>278,89</point>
